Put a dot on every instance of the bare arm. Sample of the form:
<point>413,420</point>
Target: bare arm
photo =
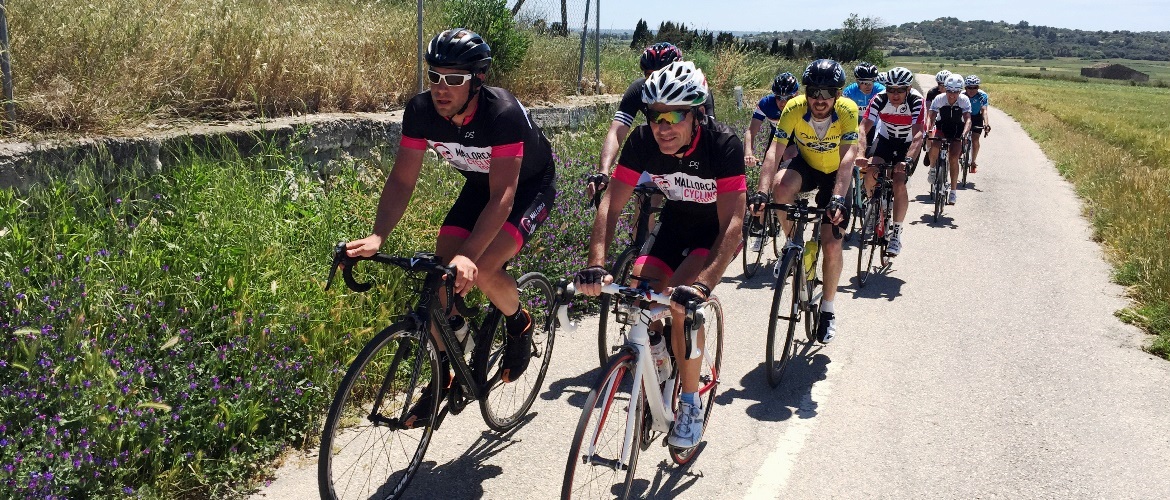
<point>966,124</point>
<point>749,158</point>
<point>392,203</point>
<point>502,180</point>
<point>768,170</point>
<point>605,220</point>
<point>613,141</point>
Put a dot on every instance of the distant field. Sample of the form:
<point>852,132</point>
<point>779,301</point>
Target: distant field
<point>1158,70</point>
<point>1110,142</point>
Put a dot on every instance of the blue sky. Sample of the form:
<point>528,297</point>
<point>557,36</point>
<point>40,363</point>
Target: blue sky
<point>758,15</point>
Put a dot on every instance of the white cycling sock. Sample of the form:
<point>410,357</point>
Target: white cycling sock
<point>897,227</point>
<point>826,306</point>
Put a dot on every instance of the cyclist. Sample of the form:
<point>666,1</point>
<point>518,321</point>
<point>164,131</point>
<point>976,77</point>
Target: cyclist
<point>784,88</point>
<point>896,114</point>
<point>823,126</point>
<point>951,116</point>
<point>655,57</point>
<point>939,78</point>
<point>490,138</point>
<point>698,164</point>
<point>979,123</point>
<point>864,89</point>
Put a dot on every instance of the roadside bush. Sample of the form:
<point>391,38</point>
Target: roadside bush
<point>492,20</point>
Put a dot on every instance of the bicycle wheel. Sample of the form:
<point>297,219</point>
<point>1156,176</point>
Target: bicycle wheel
<point>709,372</point>
<point>868,243</point>
<point>775,233</point>
<point>966,161</point>
<point>855,194</point>
<point>812,286</point>
<point>595,468</point>
<point>365,453</point>
<point>940,179</point>
<point>610,333</point>
<point>504,404</point>
<point>751,258</point>
<point>780,349</point>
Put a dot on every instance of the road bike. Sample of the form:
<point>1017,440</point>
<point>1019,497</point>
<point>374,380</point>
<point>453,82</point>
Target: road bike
<point>940,188</point>
<point>611,334</point>
<point>797,268</point>
<point>629,408</point>
<point>965,160</point>
<point>857,200</point>
<point>766,232</point>
<point>367,449</point>
<point>877,222</point>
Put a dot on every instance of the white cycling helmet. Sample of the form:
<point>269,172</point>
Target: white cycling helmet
<point>679,83</point>
<point>899,77</point>
<point>954,83</point>
<point>941,76</point>
<point>973,81</point>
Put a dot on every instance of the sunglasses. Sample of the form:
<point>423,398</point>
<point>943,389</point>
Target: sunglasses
<point>863,82</point>
<point>822,93</point>
<point>452,80</point>
<point>669,117</point>
<point>785,97</point>
<point>897,90</point>
<point>952,91</point>
<point>973,88</point>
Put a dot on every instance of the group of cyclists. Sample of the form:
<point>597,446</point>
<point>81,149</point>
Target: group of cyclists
<point>819,130</point>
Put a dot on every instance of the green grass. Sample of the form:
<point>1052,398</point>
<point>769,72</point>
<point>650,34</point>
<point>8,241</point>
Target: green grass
<point>1061,67</point>
<point>1110,142</point>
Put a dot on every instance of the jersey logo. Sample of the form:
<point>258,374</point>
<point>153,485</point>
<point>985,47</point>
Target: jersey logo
<point>822,147</point>
<point>469,135</point>
<point>678,186</point>
<point>466,158</point>
<point>694,164</point>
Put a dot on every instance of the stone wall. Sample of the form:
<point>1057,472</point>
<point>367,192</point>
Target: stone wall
<point>318,139</point>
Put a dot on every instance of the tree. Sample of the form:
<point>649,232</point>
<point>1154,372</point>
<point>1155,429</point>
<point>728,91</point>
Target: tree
<point>642,36</point>
<point>775,48</point>
<point>790,49</point>
<point>860,38</point>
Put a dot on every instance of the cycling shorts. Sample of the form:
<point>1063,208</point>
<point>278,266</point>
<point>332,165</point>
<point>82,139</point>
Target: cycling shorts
<point>892,151</point>
<point>679,236</point>
<point>530,207</point>
<point>976,123</point>
<point>949,130</point>
<point>811,178</point>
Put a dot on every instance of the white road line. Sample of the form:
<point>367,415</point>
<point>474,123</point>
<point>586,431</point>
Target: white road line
<point>772,478</point>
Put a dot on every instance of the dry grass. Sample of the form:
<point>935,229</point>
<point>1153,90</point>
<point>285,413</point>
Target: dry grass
<point>82,66</point>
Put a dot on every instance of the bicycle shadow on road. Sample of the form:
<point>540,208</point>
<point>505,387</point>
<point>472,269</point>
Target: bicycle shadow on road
<point>944,221</point>
<point>794,395</point>
<point>879,285</point>
<point>670,480</point>
<point>761,280</point>
<point>464,476</point>
<point>577,388</point>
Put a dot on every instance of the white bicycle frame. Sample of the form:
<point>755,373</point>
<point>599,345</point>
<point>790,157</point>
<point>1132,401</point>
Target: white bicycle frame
<point>645,373</point>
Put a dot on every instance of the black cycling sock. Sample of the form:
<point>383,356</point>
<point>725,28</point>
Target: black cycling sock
<point>518,322</point>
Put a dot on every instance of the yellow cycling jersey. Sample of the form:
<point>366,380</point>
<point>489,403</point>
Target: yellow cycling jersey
<point>821,154</point>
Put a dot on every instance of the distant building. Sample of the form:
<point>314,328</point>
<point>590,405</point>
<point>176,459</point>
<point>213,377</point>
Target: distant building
<point>1114,72</point>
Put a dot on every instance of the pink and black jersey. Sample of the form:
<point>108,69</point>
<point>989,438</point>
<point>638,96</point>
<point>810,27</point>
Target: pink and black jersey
<point>895,122</point>
<point>713,164</point>
<point>500,127</point>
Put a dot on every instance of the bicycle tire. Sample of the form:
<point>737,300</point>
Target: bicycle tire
<point>940,179</point>
<point>610,333</point>
<point>709,372</point>
<point>812,317</point>
<point>504,405</point>
<point>869,237</point>
<point>966,160</point>
<point>584,479</point>
<point>778,352</point>
<point>357,396</point>
<point>751,258</point>
<point>856,194</point>
<point>776,233</point>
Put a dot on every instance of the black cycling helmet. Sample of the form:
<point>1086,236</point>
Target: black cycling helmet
<point>865,71</point>
<point>459,48</point>
<point>785,84</point>
<point>824,73</point>
<point>657,56</point>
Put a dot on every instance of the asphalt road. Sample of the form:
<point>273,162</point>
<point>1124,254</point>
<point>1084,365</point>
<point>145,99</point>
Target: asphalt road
<point>986,363</point>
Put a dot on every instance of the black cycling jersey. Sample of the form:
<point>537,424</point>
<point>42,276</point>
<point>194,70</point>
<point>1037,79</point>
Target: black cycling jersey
<point>500,127</point>
<point>632,103</point>
<point>950,114</point>
<point>713,164</point>
<point>932,93</point>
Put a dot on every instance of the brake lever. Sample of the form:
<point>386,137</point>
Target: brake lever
<point>338,258</point>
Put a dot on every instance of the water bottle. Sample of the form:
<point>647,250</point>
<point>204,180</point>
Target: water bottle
<point>661,356</point>
<point>459,326</point>
<point>810,259</point>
